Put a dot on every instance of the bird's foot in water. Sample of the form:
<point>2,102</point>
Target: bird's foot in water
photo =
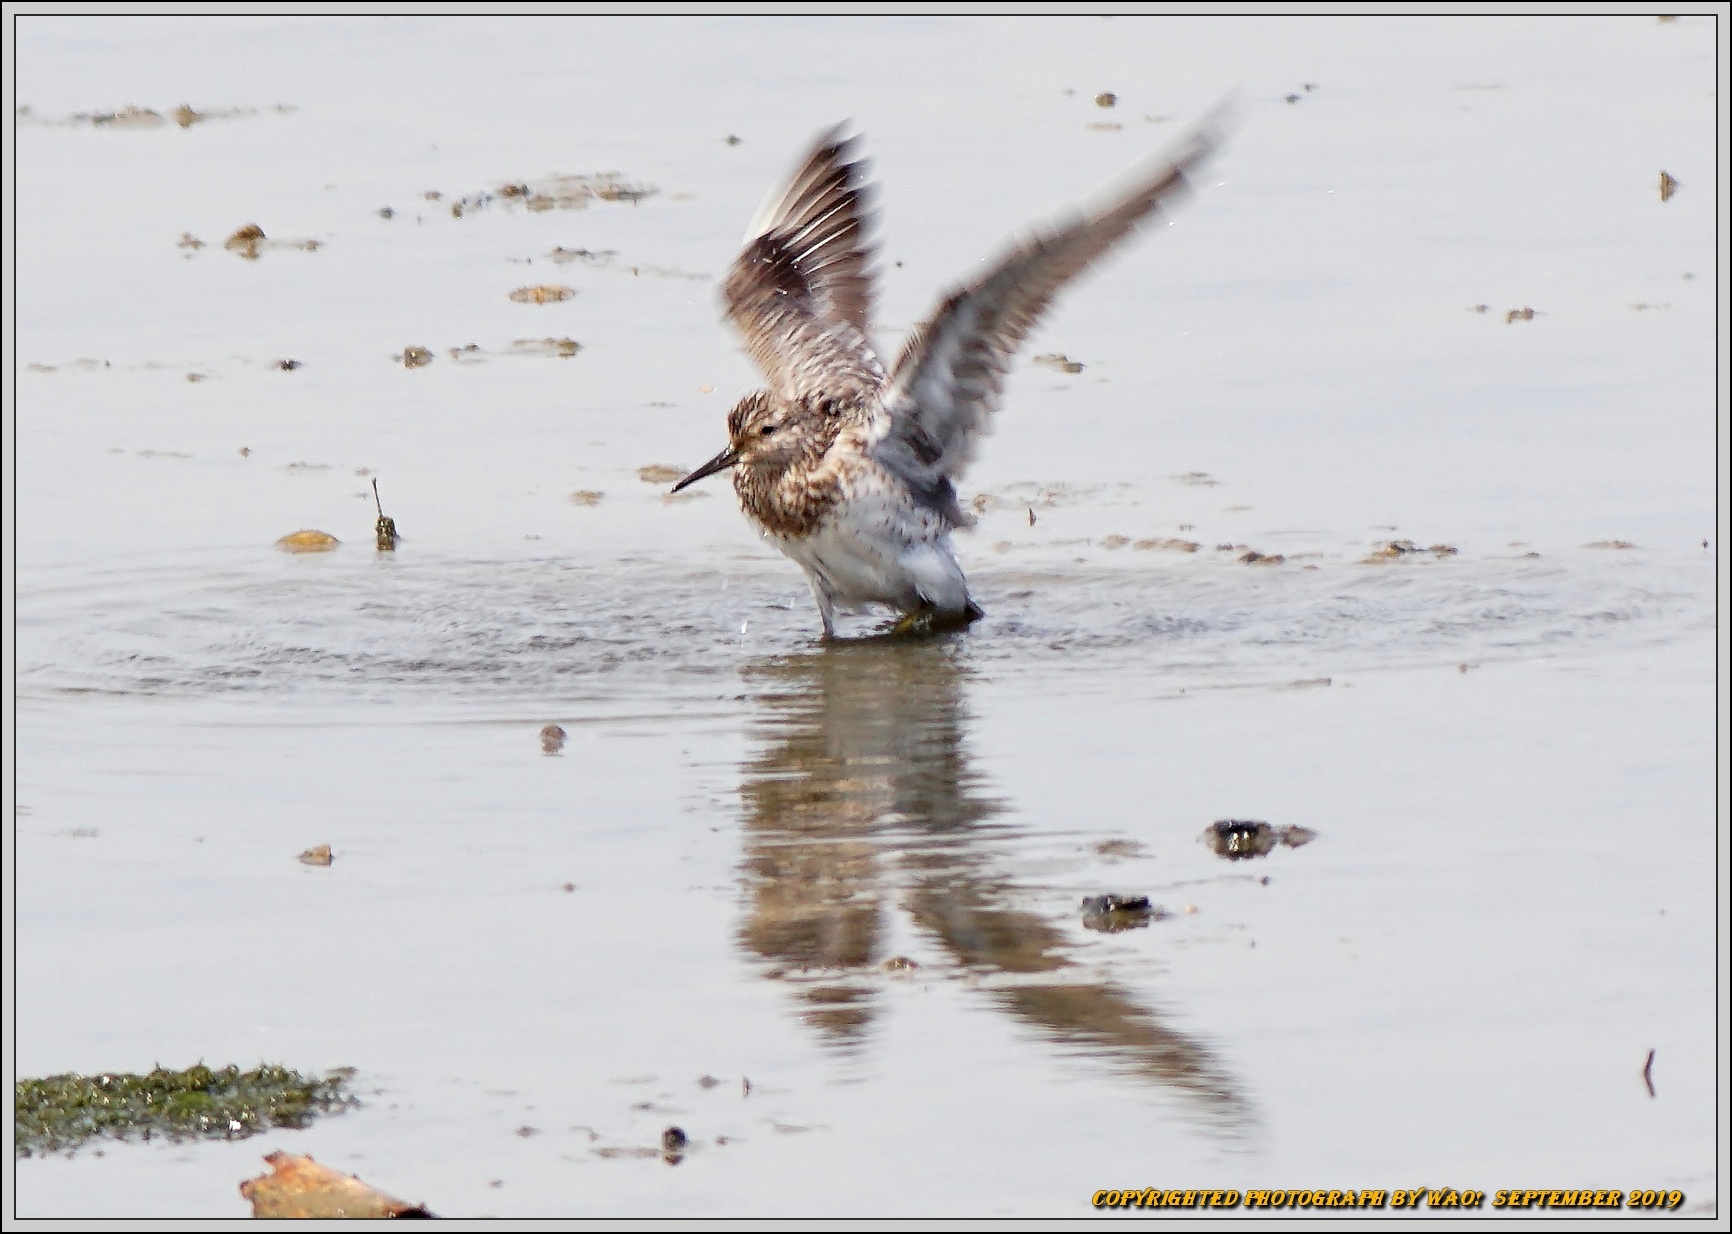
<point>926,620</point>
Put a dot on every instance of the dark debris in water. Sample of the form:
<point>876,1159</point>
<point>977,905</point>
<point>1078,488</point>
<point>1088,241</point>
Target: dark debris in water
<point>60,1113</point>
<point>385,535</point>
<point>1239,838</point>
<point>1109,914</point>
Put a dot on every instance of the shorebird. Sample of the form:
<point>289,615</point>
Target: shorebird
<point>848,467</point>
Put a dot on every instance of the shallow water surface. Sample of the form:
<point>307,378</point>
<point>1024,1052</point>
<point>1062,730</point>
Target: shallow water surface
<point>821,906</point>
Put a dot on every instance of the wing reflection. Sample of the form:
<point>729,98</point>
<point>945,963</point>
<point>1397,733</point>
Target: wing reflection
<point>860,800</point>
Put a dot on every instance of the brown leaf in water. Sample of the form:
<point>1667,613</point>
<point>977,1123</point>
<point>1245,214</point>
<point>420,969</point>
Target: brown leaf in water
<point>299,1187</point>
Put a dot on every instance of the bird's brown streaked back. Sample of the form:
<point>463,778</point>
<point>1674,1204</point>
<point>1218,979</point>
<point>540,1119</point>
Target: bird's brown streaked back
<point>800,291</point>
<point>947,382</point>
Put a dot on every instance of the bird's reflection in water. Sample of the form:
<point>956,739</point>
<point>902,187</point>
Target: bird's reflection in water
<point>861,802</point>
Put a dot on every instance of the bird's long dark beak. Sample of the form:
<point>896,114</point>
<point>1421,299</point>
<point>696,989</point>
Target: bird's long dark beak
<point>726,459</point>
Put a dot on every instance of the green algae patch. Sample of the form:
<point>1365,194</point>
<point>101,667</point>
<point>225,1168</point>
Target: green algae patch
<point>63,1111</point>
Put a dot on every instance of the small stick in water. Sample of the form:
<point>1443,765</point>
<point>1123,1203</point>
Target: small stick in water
<point>385,530</point>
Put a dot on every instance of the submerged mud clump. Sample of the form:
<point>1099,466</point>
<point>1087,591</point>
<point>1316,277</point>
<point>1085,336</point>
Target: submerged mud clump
<point>1238,838</point>
<point>561,256</point>
<point>564,348</point>
<point>246,241</point>
<point>57,1114</point>
<point>309,541</point>
<point>1109,914</point>
<point>1178,546</point>
<point>250,241</point>
<point>132,117</point>
<point>1058,362</point>
<point>1396,550</point>
<point>555,192</point>
<point>542,293</point>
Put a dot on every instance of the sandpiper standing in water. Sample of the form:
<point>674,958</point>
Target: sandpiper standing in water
<point>846,467</point>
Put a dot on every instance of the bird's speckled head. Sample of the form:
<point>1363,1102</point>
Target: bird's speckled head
<point>767,435</point>
<point>749,418</point>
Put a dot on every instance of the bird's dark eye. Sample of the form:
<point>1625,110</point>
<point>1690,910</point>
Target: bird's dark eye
<point>767,429</point>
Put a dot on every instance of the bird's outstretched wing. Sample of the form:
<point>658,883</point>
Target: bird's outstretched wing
<point>946,384</point>
<point>801,290</point>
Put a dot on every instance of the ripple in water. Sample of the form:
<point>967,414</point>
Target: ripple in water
<point>551,628</point>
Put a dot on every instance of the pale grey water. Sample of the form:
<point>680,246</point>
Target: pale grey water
<point>1508,759</point>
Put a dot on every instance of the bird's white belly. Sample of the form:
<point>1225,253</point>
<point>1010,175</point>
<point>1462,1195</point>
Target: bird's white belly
<point>875,551</point>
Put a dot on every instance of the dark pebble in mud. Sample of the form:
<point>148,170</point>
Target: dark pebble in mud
<point>1237,838</point>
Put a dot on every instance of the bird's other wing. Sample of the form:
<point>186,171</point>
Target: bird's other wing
<point>946,384</point>
<point>800,291</point>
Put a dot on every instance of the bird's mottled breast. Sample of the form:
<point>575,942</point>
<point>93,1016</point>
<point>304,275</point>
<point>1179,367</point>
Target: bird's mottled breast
<point>789,498</point>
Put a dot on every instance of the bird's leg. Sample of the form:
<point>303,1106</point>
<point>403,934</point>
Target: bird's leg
<point>826,606</point>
